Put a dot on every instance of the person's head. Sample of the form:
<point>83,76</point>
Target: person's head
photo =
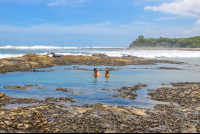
<point>107,72</point>
<point>95,70</point>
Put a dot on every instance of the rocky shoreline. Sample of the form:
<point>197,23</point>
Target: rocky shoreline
<point>179,116</point>
<point>30,62</point>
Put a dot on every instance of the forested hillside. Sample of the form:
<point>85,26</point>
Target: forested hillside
<point>192,42</point>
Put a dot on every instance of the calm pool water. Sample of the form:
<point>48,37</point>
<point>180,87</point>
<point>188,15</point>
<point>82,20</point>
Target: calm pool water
<point>84,81</point>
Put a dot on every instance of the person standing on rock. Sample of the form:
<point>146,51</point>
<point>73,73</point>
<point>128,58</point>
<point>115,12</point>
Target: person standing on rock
<point>96,73</point>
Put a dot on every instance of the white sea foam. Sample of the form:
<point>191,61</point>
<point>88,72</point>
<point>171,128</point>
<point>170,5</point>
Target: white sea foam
<point>141,53</point>
<point>88,52</point>
<point>10,55</point>
<point>74,54</point>
<point>17,55</point>
<point>152,53</point>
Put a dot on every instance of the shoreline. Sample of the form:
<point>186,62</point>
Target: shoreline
<point>162,48</point>
<point>180,115</point>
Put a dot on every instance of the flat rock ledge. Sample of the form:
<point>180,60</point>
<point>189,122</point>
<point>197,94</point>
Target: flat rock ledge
<point>64,89</point>
<point>126,91</point>
<point>186,94</point>
<point>60,99</point>
<point>20,87</point>
<point>53,117</point>
<point>16,87</point>
<point>76,93</point>
<point>30,62</point>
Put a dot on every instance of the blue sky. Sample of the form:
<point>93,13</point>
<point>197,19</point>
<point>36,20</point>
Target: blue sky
<point>106,23</point>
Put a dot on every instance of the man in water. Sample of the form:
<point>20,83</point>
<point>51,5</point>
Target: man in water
<point>96,73</point>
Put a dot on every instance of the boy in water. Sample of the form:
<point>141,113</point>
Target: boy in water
<point>96,73</point>
<point>107,73</point>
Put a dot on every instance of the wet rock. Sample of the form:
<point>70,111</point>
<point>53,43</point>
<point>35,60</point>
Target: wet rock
<point>29,85</point>
<point>130,56</point>
<point>42,87</point>
<point>127,92</point>
<point>115,95</point>
<point>61,99</point>
<point>76,92</point>
<point>184,93</point>
<point>100,55</point>
<point>8,123</point>
<point>168,68</point>
<point>142,85</point>
<point>41,70</point>
<point>184,83</point>
<point>25,101</point>
<point>2,95</point>
<point>4,99</point>
<point>63,89</point>
<point>111,69</point>
<point>181,114</point>
<point>57,55</point>
<point>31,62</point>
<point>130,95</point>
<point>151,89</point>
<point>16,87</point>
<point>107,90</point>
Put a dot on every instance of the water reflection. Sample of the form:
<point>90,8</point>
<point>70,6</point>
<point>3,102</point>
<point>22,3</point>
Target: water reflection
<point>95,80</point>
<point>106,79</point>
<point>83,80</point>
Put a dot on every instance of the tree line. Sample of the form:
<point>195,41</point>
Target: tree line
<point>192,42</point>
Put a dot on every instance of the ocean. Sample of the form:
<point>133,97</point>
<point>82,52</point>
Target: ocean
<point>84,81</point>
<point>15,51</point>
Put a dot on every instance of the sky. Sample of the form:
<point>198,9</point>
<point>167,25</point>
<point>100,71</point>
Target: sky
<point>95,23</point>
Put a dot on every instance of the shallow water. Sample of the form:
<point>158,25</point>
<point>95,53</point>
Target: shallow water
<point>84,81</point>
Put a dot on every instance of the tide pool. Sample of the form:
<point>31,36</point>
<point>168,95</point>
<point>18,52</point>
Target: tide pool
<point>84,81</point>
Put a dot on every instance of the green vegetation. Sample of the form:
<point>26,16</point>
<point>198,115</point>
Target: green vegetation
<point>192,42</point>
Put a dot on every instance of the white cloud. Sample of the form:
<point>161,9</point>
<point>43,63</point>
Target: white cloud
<point>72,3</point>
<point>139,2</point>
<point>107,28</point>
<point>143,17</point>
<point>198,22</point>
<point>99,28</point>
<point>141,23</point>
<point>167,18</point>
<point>26,1</point>
<point>183,8</point>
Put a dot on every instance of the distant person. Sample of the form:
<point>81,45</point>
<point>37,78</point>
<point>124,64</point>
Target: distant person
<point>96,73</point>
<point>107,74</point>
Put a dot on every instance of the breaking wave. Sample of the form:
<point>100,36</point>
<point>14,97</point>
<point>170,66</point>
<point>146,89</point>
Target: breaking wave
<point>17,51</point>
